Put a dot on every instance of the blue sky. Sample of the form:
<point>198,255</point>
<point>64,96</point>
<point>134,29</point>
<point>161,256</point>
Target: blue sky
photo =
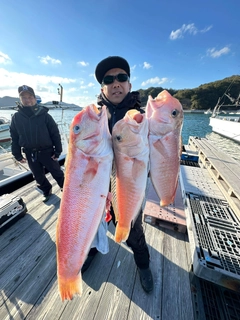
<point>173,44</point>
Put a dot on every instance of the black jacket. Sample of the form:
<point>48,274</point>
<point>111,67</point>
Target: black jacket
<point>115,113</point>
<point>34,128</point>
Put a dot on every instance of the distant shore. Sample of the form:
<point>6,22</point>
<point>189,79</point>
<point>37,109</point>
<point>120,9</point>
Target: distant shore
<point>50,107</point>
<point>203,111</point>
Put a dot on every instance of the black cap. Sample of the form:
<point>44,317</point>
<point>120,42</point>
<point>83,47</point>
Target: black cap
<point>111,63</point>
<point>25,88</point>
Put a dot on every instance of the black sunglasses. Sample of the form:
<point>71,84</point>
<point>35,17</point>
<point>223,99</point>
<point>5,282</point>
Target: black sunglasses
<point>121,77</point>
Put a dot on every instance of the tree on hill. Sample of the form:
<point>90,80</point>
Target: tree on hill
<point>203,97</point>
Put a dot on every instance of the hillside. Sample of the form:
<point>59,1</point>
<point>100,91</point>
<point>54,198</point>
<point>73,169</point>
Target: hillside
<point>11,102</point>
<point>203,97</point>
<point>8,101</point>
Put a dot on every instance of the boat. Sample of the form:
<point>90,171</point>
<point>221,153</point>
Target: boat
<point>4,129</point>
<point>208,111</point>
<point>226,125</point>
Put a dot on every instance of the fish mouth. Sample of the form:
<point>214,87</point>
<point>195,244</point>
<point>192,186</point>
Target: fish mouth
<point>164,120</point>
<point>89,136</point>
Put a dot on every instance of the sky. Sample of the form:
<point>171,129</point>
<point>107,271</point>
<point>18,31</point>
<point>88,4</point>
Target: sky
<point>169,44</point>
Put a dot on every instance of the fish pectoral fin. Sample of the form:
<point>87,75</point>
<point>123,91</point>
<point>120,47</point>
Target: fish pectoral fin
<point>159,146</point>
<point>137,168</point>
<point>91,170</point>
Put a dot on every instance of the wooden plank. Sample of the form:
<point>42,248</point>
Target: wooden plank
<point>26,295</point>
<point>223,163</point>
<point>171,217</point>
<point>224,170</point>
<point>150,306</point>
<point>111,286</point>
<point>176,271</point>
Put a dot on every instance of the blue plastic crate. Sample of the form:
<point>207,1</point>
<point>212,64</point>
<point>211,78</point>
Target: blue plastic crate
<point>189,157</point>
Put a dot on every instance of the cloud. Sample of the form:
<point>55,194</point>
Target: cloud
<point>133,79</point>
<point>187,28</point>
<point>47,85</point>
<point>49,60</point>
<point>87,86</point>
<point>206,29</point>
<point>154,81</point>
<point>83,63</point>
<point>146,65</point>
<point>4,58</point>
<point>218,53</point>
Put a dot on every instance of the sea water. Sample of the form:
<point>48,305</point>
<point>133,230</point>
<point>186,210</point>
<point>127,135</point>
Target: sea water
<point>194,124</point>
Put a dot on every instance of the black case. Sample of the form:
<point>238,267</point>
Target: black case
<point>12,208</point>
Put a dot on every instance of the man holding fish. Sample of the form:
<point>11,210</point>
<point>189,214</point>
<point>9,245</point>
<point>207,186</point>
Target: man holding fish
<point>115,143</point>
<point>113,73</point>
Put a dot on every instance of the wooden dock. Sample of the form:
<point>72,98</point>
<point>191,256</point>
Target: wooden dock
<point>224,170</point>
<point>111,286</point>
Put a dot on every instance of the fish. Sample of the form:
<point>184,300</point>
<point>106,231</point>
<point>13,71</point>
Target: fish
<point>87,178</point>
<point>165,117</point>
<point>131,159</point>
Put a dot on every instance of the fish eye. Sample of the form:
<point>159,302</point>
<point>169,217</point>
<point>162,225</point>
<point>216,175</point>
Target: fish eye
<point>118,138</point>
<point>175,112</point>
<point>76,129</point>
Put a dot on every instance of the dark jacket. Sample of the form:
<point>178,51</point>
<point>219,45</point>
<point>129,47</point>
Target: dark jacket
<point>34,128</point>
<point>115,113</point>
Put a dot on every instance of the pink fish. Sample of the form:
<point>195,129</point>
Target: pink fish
<point>165,116</point>
<point>87,177</point>
<point>131,157</point>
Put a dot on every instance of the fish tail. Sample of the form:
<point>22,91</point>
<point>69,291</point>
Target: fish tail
<point>121,234</point>
<point>69,287</point>
<point>166,202</point>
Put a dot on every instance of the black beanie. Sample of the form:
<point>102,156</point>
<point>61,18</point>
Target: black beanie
<point>111,63</point>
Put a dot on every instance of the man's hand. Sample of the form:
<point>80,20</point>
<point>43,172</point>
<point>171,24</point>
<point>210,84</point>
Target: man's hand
<point>23,160</point>
<point>54,158</point>
<point>108,207</point>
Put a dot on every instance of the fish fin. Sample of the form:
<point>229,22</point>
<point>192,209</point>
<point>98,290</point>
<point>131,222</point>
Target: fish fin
<point>162,144</point>
<point>69,287</point>
<point>91,170</point>
<point>121,234</point>
<point>159,146</point>
<point>137,168</point>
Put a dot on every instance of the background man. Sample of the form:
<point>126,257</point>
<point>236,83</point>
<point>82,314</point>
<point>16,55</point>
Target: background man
<point>34,132</point>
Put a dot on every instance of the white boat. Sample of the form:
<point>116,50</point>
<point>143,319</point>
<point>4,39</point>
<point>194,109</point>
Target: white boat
<point>4,129</point>
<point>208,111</point>
<point>227,126</point>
